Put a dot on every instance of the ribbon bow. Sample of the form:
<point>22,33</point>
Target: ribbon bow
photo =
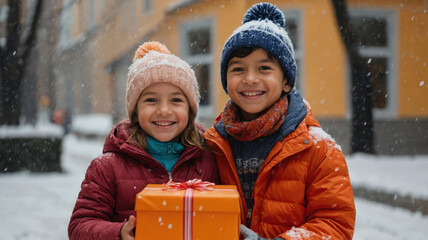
<point>196,184</point>
<point>189,186</point>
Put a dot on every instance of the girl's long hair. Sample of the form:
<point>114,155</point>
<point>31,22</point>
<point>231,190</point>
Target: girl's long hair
<point>190,136</point>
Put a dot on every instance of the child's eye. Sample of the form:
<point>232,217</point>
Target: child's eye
<point>150,100</point>
<point>237,69</point>
<point>265,68</point>
<point>177,100</point>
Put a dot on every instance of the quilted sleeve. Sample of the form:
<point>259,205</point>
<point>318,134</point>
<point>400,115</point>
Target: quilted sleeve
<point>94,208</point>
<point>330,210</point>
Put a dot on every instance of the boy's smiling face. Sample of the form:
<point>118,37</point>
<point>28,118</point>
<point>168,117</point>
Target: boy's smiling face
<point>255,83</point>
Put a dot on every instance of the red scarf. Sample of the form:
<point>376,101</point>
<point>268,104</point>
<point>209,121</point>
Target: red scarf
<point>263,126</point>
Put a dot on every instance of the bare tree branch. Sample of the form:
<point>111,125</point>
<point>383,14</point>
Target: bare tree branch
<point>29,42</point>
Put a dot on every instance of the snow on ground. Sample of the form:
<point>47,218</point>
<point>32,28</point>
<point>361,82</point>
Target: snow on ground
<point>405,175</point>
<point>381,222</point>
<point>38,206</point>
<point>40,130</point>
<point>96,124</point>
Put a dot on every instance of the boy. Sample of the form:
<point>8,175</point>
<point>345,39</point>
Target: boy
<point>292,177</point>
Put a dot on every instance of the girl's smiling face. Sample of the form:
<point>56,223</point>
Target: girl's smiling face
<point>255,83</point>
<point>163,111</point>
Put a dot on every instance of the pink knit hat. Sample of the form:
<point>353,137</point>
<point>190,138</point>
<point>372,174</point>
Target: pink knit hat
<point>154,63</point>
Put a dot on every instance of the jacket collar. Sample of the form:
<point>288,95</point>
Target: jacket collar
<point>117,142</point>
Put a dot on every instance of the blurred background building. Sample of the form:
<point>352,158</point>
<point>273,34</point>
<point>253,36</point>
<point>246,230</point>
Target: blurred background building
<point>86,46</point>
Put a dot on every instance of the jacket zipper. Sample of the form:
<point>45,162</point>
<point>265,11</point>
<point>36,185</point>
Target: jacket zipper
<point>179,162</point>
<point>238,185</point>
<point>249,215</point>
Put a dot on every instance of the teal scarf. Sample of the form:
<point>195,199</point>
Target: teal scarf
<point>166,153</point>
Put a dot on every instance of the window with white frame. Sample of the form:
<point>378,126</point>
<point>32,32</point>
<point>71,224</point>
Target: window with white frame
<point>66,23</point>
<point>293,23</point>
<point>375,36</point>
<point>124,14</point>
<point>147,6</point>
<point>4,12</point>
<point>128,14</point>
<point>196,40</point>
<point>91,13</point>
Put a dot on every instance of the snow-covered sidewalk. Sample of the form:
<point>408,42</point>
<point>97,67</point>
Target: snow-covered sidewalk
<point>38,206</point>
<point>403,175</point>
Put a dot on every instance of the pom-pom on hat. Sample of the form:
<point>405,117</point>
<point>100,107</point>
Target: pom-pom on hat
<point>154,63</point>
<point>263,26</point>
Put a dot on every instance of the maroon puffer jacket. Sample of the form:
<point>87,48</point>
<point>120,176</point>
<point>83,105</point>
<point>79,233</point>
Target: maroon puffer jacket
<point>107,196</point>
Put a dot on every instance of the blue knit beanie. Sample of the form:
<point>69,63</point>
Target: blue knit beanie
<point>263,26</point>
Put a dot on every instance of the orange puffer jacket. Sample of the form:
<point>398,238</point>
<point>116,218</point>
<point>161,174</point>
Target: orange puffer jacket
<point>303,190</point>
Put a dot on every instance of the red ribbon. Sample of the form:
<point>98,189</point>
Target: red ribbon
<point>196,184</point>
<point>189,186</point>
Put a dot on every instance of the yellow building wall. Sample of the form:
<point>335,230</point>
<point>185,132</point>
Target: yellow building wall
<point>324,61</point>
<point>411,53</point>
<point>413,62</point>
<point>325,83</point>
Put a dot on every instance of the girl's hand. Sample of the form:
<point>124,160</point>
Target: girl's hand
<point>127,231</point>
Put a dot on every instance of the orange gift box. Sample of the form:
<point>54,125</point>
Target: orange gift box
<point>204,215</point>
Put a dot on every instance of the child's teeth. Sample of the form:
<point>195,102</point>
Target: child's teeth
<point>163,123</point>
<point>252,93</point>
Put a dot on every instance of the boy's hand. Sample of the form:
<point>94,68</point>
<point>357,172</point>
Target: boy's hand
<point>251,235</point>
<point>127,231</point>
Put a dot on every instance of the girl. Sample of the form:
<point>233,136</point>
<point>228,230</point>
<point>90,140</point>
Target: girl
<point>158,142</point>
